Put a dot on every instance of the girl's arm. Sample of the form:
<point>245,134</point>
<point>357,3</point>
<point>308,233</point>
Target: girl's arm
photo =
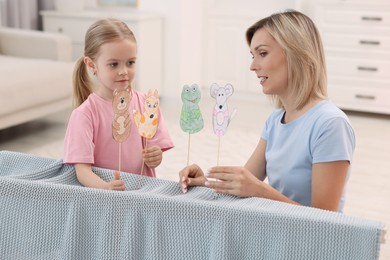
<point>88,178</point>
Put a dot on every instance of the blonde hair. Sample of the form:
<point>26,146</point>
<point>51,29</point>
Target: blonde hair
<point>101,32</point>
<point>301,42</point>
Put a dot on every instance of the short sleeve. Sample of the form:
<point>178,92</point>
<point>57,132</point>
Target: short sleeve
<point>335,141</point>
<point>78,143</point>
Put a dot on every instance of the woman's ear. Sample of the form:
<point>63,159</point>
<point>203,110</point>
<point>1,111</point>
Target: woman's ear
<point>90,64</point>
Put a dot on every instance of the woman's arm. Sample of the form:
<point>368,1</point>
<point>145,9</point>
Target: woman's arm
<point>88,178</point>
<point>328,181</point>
<point>256,163</point>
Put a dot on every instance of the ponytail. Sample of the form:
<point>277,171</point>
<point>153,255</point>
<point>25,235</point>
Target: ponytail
<point>81,83</point>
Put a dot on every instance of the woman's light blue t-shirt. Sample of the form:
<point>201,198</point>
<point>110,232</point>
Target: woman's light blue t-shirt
<point>322,134</point>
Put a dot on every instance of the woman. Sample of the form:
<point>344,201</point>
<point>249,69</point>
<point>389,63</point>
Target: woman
<point>307,144</point>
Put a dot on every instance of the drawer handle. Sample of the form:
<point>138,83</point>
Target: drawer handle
<point>368,97</point>
<point>364,42</point>
<point>367,68</point>
<point>372,18</point>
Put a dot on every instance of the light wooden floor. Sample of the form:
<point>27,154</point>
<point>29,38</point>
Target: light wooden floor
<point>368,189</point>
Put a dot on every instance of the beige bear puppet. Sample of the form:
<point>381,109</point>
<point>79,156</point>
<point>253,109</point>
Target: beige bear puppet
<point>121,123</point>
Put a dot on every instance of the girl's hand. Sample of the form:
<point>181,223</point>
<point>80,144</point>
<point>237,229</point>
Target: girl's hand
<point>191,176</point>
<point>237,181</point>
<point>152,156</point>
<point>117,183</point>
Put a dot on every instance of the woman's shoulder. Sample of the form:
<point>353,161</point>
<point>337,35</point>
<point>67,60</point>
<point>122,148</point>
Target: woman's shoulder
<point>326,110</point>
<point>329,116</point>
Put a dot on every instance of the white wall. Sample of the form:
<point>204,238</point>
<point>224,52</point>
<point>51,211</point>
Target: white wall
<point>186,35</point>
<point>182,42</point>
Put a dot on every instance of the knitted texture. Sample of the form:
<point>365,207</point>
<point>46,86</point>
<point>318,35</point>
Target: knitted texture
<point>47,214</point>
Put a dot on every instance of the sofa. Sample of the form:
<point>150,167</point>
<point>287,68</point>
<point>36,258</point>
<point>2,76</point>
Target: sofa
<point>35,75</point>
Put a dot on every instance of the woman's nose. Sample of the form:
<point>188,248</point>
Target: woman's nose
<point>253,65</point>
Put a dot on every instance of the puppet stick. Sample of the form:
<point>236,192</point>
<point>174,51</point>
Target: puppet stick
<point>188,151</point>
<point>219,145</point>
<point>216,195</point>
<point>143,162</point>
<point>120,157</point>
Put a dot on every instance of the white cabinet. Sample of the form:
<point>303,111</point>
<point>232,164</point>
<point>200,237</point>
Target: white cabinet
<point>146,27</point>
<point>356,36</point>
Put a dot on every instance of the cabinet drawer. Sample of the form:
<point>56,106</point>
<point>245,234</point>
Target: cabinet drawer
<point>357,42</point>
<point>370,69</point>
<point>361,99</point>
<point>74,28</point>
<point>363,18</point>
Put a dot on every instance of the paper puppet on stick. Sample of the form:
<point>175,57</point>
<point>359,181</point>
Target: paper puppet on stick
<point>191,120</point>
<point>221,114</point>
<point>121,123</point>
<point>147,122</point>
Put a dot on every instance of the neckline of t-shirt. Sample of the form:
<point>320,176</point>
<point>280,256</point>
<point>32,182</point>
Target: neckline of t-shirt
<point>303,116</point>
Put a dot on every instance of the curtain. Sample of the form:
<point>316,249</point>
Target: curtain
<point>23,14</point>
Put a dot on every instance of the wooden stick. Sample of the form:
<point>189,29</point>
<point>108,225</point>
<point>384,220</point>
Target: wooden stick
<point>143,162</point>
<point>216,195</point>
<point>219,145</point>
<point>120,156</point>
<point>188,152</point>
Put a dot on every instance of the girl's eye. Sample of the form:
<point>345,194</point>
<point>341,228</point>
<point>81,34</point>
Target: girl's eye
<point>113,65</point>
<point>130,63</point>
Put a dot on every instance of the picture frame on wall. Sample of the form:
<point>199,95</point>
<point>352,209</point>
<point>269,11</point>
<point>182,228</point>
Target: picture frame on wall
<point>128,3</point>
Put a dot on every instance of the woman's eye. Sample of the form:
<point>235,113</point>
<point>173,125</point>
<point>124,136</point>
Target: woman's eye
<point>263,54</point>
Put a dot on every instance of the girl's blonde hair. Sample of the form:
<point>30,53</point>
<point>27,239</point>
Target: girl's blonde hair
<point>101,32</point>
<point>301,42</point>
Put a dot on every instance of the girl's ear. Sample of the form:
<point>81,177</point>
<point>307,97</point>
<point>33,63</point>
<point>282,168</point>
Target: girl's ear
<point>90,64</point>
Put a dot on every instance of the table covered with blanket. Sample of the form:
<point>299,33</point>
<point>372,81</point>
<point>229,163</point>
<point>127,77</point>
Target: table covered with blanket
<point>47,214</point>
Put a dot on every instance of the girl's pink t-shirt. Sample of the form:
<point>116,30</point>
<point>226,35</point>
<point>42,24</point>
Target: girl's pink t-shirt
<point>88,138</point>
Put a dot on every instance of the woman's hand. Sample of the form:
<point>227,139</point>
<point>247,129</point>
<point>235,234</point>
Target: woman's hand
<point>152,156</point>
<point>191,176</point>
<point>237,181</point>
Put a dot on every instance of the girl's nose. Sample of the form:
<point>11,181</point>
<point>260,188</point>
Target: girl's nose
<point>122,72</point>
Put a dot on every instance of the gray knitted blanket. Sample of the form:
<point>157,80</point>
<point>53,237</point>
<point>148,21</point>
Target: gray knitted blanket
<point>47,214</point>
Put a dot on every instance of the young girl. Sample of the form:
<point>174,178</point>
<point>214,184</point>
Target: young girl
<point>307,144</point>
<point>110,55</point>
